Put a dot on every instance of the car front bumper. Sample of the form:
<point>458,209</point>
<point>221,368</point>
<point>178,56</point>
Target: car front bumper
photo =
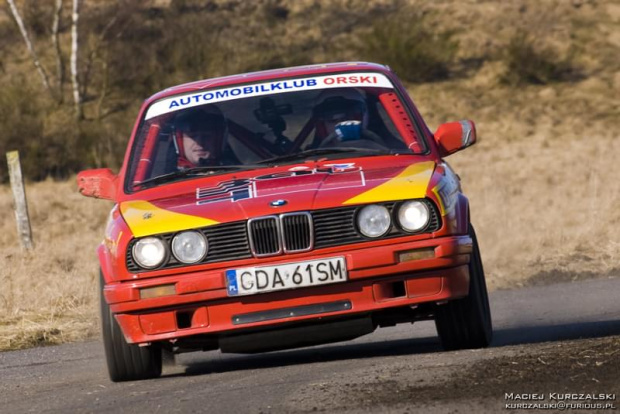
<point>379,277</point>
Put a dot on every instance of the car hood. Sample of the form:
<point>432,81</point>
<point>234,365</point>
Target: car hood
<point>227,198</point>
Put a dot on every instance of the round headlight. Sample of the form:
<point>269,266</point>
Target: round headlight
<point>413,215</point>
<point>374,220</point>
<point>149,252</point>
<point>189,247</point>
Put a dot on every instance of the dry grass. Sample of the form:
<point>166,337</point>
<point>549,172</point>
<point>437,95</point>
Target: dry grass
<point>542,181</point>
<point>49,296</point>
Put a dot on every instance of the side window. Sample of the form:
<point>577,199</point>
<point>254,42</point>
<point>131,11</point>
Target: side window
<point>385,120</point>
<point>382,125</point>
<point>165,156</point>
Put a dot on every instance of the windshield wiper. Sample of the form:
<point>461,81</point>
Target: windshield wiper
<point>323,151</point>
<point>205,170</point>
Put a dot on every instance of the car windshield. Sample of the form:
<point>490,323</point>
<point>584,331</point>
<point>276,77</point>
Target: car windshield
<point>270,123</point>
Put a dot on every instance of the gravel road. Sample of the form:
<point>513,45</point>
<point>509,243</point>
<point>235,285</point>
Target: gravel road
<point>562,338</point>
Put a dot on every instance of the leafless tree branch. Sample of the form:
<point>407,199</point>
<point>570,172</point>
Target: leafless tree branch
<point>77,98</point>
<point>33,53</point>
<point>95,52</point>
<point>60,70</point>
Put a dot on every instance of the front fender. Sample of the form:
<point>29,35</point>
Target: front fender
<point>462,214</point>
<point>445,190</point>
<point>111,251</point>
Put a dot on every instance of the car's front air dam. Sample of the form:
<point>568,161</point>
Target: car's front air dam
<point>364,296</point>
<point>363,262</point>
<point>296,336</point>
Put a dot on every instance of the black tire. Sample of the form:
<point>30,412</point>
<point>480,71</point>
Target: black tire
<point>126,362</point>
<point>466,323</point>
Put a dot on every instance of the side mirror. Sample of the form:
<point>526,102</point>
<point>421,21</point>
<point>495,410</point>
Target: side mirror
<point>455,136</point>
<point>98,183</point>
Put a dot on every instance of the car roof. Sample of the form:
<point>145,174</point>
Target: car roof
<point>267,75</point>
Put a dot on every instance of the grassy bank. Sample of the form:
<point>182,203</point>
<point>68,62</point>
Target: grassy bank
<point>48,296</point>
<point>542,181</point>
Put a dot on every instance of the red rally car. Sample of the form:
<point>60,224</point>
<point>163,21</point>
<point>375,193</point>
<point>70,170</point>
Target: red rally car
<point>281,209</point>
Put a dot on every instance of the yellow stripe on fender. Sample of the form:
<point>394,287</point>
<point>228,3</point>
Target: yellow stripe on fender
<point>144,219</point>
<point>411,183</point>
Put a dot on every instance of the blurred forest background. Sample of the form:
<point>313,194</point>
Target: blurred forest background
<point>130,49</point>
<point>541,78</point>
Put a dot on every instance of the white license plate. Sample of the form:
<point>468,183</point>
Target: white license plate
<point>253,280</point>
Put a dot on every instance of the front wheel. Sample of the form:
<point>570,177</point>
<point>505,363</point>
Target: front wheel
<point>466,323</point>
<point>126,362</point>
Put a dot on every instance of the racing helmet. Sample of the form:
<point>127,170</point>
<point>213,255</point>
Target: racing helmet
<point>338,105</point>
<point>197,121</point>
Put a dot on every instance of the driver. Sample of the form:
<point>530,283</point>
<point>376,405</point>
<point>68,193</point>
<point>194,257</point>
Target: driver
<point>342,116</point>
<point>199,137</point>
<point>336,106</point>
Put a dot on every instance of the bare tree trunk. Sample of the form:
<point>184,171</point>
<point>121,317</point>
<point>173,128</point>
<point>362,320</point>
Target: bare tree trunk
<point>35,58</point>
<point>60,70</point>
<point>74,60</point>
<point>104,86</point>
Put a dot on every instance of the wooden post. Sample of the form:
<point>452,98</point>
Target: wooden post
<point>19,195</point>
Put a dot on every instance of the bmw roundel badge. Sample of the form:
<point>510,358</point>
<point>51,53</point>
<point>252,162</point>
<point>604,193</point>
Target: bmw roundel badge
<point>278,203</point>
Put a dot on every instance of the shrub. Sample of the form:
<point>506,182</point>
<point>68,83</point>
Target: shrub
<point>411,47</point>
<point>37,16</point>
<point>21,123</point>
<point>50,142</point>
<point>528,63</point>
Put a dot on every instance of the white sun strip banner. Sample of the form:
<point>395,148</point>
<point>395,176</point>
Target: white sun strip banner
<point>352,80</point>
